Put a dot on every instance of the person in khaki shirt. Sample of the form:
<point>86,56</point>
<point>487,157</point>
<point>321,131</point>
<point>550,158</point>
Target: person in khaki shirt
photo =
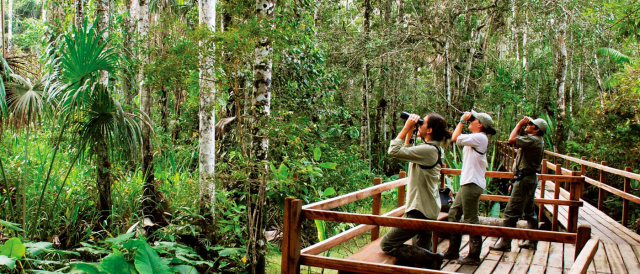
<point>528,162</point>
<point>423,198</point>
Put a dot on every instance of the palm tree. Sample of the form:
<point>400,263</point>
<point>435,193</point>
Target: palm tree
<point>99,121</point>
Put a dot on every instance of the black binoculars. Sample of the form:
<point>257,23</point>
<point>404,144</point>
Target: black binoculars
<point>405,115</point>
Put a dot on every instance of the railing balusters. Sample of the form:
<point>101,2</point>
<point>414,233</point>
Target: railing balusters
<point>542,188</point>
<point>601,192</point>
<point>377,199</point>
<point>401,189</point>
<point>625,203</point>
<point>556,195</point>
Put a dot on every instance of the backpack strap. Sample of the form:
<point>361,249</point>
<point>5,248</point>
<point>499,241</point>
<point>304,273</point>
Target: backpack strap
<point>437,162</point>
<point>481,153</point>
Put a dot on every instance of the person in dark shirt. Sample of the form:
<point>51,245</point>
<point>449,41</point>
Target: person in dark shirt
<point>527,164</point>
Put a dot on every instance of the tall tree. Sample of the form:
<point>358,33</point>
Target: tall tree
<point>561,75</point>
<point>79,14</point>
<point>260,111</point>
<point>102,15</point>
<point>10,26</point>
<point>365,129</point>
<point>207,141</point>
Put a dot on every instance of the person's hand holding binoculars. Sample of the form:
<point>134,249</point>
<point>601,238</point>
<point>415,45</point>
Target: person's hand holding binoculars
<point>411,122</point>
<point>466,116</point>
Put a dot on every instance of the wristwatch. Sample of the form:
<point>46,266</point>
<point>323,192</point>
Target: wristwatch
<point>462,120</point>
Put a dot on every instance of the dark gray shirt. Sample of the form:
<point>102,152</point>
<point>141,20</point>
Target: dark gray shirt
<point>529,158</point>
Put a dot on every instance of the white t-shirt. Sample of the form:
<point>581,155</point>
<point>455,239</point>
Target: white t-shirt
<point>474,165</point>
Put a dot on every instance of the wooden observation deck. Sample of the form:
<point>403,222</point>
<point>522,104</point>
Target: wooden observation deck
<point>577,238</point>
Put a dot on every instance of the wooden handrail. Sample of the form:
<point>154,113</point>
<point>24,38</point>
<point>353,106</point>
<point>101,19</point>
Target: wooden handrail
<point>452,227</point>
<point>363,267</point>
<point>355,196</point>
<point>584,259</point>
<point>611,170</point>
<point>347,235</point>
<point>509,175</point>
<point>500,198</point>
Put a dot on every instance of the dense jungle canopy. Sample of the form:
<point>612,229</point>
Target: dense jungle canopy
<point>167,133</point>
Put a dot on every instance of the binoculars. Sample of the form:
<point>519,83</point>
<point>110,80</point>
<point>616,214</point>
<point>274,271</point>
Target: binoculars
<point>405,115</point>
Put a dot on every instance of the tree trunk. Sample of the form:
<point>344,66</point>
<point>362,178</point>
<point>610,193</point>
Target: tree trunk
<point>151,198</point>
<point>207,129</point>
<point>261,112</point>
<point>103,170</point>
<point>102,14</point>
<point>365,138</point>
<point>164,108</point>
<point>128,74</point>
<point>79,15</point>
<point>561,74</point>
<point>10,27</point>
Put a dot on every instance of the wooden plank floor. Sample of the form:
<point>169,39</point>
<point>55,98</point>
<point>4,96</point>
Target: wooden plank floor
<point>548,258</point>
<point>603,226</point>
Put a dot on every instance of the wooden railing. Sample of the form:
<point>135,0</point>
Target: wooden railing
<point>506,154</point>
<point>293,256</point>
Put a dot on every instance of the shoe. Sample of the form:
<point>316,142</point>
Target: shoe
<point>424,258</point>
<point>475,247</point>
<point>529,244</point>
<point>503,245</point>
<point>453,252</point>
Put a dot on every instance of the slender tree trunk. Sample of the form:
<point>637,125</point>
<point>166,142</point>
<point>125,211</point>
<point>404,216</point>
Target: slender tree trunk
<point>365,138</point>
<point>561,74</point>
<point>103,14</point>
<point>10,27</point>
<point>103,167</point>
<point>596,73</point>
<point>207,140</point>
<point>79,15</point>
<point>128,72</point>
<point>261,112</point>
<point>151,200</point>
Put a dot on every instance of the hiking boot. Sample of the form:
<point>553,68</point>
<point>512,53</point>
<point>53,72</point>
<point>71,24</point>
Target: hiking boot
<point>475,247</point>
<point>420,256</point>
<point>529,244</point>
<point>503,245</point>
<point>453,252</point>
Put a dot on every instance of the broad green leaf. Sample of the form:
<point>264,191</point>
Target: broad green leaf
<point>9,262</point>
<point>328,165</point>
<point>86,268</point>
<point>184,269</point>
<point>120,239</point>
<point>148,262</point>
<point>37,248</point>
<point>10,225</point>
<point>231,251</point>
<point>329,191</point>
<point>283,171</point>
<point>317,153</point>
<point>495,211</point>
<point>115,263</point>
<point>13,248</point>
<point>132,244</point>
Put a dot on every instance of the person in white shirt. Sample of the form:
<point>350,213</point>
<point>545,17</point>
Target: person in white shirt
<point>472,181</point>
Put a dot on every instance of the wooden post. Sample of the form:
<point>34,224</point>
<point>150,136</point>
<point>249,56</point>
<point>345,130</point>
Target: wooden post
<point>401,189</point>
<point>442,179</point>
<point>555,158</point>
<point>574,195</point>
<point>602,192</point>
<point>584,234</point>
<point>375,232</point>
<point>625,202</point>
<point>291,241</point>
<point>568,166</point>
<point>583,168</point>
<point>556,195</point>
<point>542,188</point>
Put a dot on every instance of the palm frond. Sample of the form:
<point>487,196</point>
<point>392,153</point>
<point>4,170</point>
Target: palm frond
<point>24,102</point>
<point>614,55</point>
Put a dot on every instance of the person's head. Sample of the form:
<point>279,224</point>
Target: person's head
<point>435,127</point>
<point>536,127</point>
<point>481,122</point>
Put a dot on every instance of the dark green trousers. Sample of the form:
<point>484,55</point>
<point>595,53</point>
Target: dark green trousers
<point>466,203</point>
<point>396,237</point>
<point>521,203</point>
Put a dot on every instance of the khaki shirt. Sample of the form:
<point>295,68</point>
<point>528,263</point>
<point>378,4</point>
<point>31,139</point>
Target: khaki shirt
<point>529,157</point>
<point>422,189</point>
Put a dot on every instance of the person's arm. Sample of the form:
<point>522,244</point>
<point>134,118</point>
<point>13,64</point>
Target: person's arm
<point>512,137</point>
<point>458,129</point>
<point>404,151</point>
